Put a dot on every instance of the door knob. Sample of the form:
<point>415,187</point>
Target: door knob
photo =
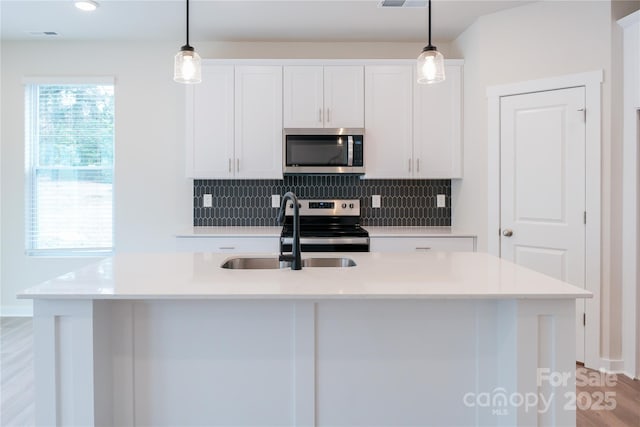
<point>507,232</point>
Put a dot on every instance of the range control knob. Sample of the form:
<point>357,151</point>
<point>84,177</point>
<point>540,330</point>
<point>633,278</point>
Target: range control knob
<point>350,205</point>
<point>344,206</point>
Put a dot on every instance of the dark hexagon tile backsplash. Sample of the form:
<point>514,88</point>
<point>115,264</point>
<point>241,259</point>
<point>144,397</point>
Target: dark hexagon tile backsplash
<point>405,202</point>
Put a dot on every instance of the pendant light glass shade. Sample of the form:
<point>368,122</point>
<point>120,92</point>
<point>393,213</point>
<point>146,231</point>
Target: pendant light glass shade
<point>187,66</point>
<point>430,63</point>
<point>430,67</point>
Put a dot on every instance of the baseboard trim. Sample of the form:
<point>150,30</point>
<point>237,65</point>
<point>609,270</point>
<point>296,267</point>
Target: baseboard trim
<point>13,311</point>
<point>611,366</point>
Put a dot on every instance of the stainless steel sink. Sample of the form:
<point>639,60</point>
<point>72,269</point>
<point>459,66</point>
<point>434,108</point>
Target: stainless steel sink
<point>241,263</point>
<point>328,262</point>
<point>249,263</point>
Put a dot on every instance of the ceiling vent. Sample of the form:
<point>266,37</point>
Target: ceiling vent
<point>43,33</point>
<point>402,3</point>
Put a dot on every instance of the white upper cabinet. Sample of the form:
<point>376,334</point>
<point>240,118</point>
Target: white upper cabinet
<point>303,97</point>
<point>236,116</point>
<point>437,127</point>
<point>323,96</point>
<point>258,122</point>
<point>344,96</point>
<point>209,118</point>
<point>234,123</point>
<point>388,112</point>
<point>412,130</point>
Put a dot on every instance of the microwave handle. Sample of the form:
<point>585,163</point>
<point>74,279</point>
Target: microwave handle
<point>350,151</point>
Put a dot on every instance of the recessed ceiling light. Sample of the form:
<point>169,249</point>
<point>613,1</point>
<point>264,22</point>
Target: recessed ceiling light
<point>86,5</point>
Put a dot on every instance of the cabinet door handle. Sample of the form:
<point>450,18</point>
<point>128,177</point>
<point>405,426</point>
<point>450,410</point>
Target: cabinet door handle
<point>237,165</point>
<point>328,115</point>
<point>320,115</point>
<point>227,248</point>
<point>423,248</point>
<point>409,165</point>
<point>418,165</point>
<point>229,165</point>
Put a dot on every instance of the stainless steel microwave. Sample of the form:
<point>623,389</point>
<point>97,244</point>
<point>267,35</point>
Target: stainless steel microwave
<point>323,151</point>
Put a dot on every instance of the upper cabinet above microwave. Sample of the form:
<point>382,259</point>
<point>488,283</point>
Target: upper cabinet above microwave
<point>323,96</point>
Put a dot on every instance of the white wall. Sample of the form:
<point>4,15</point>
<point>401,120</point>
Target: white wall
<point>152,199</point>
<point>541,40</point>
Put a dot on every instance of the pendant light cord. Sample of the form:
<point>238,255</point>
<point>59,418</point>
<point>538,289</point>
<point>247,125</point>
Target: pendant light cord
<point>188,22</point>
<point>428,19</point>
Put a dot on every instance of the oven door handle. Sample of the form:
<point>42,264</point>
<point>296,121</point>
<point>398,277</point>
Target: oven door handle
<point>327,241</point>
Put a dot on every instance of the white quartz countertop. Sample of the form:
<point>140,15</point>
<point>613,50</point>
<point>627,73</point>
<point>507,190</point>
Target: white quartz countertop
<point>376,275</point>
<point>275,232</point>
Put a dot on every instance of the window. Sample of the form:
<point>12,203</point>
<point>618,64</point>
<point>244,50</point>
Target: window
<point>69,160</point>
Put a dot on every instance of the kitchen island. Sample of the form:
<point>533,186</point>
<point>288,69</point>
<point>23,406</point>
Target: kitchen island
<point>400,339</point>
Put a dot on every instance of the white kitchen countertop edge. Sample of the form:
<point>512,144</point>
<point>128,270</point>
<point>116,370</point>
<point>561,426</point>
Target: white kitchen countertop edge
<point>230,232</point>
<point>433,275</point>
<point>275,232</point>
<point>416,232</point>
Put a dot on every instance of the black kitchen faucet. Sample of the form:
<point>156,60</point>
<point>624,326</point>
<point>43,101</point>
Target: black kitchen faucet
<point>294,257</point>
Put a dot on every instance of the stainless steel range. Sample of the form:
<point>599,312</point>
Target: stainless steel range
<point>326,226</point>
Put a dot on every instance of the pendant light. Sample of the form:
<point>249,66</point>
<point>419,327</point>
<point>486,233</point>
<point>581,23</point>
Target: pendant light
<point>187,66</point>
<point>430,65</point>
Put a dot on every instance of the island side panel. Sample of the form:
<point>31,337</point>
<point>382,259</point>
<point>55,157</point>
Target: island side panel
<point>536,379</point>
<point>546,362</point>
<point>445,362</point>
<point>398,362</point>
<point>64,363</point>
<point>301,362</point>
<point>214,363</point>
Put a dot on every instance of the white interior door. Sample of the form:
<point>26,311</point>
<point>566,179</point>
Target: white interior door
<point>542,188</point>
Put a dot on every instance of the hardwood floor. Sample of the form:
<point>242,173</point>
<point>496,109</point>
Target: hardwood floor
<point>16,372</point>
<point>593,401</point>
<point>17,393</point>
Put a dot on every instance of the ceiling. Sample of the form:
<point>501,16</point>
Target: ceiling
<point>241,20</point>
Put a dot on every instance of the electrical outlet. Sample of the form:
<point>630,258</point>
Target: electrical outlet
<point>375,201</point>
<point>275,200</point>
<point>441,201</point>
<point>207,200</point>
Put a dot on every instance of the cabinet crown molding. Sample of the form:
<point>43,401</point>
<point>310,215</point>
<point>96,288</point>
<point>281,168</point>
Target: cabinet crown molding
<point>289,62</point>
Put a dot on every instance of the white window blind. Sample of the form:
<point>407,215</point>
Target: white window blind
<point>69,162</point>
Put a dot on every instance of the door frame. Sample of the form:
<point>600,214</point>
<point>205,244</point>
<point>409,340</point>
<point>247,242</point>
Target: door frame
<point>631,197</point>
<point>591,81</point>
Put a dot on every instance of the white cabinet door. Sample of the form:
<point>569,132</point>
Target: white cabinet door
<point>422,244</point>
<point>258,122</point>
<point>344,96</point>
<point>209,119</point>
<point>388,118</point>
<point>317,96</point>
<point>303,97</point>
<point>437,124</point>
